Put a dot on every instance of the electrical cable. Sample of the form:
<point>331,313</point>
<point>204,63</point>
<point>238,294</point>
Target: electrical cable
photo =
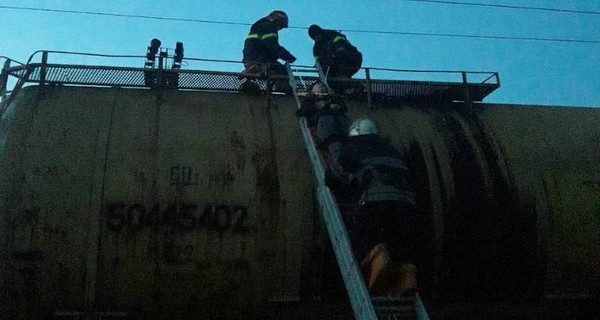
<point>120,15</point>
<point>506,6</point>
<point>454,35</point>
<point>472,36</point>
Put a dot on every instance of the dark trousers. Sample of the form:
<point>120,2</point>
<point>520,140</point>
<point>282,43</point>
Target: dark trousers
<point>388,222</point>
<point>344,63</point>
<point>271,69</point>
<point>332,131</point>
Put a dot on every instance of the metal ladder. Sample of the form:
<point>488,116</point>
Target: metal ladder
<point>364,306</point>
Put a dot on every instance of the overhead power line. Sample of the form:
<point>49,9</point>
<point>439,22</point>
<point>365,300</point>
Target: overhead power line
<point>423,34</point>
<point>120,15</point>
<point>506,6</point>
<point>452,35</point>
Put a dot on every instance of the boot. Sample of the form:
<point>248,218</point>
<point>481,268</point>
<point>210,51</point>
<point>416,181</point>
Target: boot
<point>249,86</point>
<point>284,87</point>
<point>376,263</point>
<point>407,280</point>
<point>252,71</point>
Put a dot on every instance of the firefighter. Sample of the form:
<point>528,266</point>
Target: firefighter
<point>382,228</point>
<point>262,48</point>
<point>326,114</point>
<point>338,57</point>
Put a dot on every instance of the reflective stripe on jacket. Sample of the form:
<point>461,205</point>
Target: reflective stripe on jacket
<point>329,44</point>
<point>261,36</point>
<point>262,43</point>
<point>338,38</point>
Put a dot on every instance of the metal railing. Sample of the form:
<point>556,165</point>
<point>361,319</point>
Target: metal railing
<point>370,84</point>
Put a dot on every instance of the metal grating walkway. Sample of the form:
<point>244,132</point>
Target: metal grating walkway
<point>230,81</point>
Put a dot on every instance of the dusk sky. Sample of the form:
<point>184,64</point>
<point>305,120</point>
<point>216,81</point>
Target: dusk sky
<point>561,67</point>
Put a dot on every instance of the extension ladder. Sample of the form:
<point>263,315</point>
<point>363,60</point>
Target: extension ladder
<point>364,306</point>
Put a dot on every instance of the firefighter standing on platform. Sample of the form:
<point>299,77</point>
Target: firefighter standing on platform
<point>338,57</point>
<point>262,48</point>
<point>382,229</point>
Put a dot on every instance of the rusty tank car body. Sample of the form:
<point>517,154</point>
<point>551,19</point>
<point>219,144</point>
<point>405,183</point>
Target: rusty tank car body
<point>139,203</point>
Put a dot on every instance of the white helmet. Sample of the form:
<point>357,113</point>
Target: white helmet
<point>362,126</point>
<point>318,88</point>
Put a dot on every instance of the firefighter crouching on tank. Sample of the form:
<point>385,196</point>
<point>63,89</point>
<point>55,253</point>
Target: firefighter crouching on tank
<point>262,50</point>
<point>336,55</point>
<point>382,227</point>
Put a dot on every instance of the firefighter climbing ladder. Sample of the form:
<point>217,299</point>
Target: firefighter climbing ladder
<point>364,306</point>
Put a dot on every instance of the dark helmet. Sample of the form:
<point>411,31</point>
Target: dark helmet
<point>314,30</point>
<point>279,17</point>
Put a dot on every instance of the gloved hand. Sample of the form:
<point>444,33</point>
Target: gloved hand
<point>334,182</point>
<point>321,104</point>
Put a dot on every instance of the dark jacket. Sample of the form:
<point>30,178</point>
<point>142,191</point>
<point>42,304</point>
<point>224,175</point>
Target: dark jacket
<point>378,167</point>
<point>262,44</point>
<point>308,108</point>
<point>329,43</point>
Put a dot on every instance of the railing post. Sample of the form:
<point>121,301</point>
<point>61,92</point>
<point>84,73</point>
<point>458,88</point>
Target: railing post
<point>269,78</point>
<point>4,78</point>
<point>162,56</point>
<point>368,77</point>
<point>43,67</point>
<point>497,78</point>
<point>468,103</point>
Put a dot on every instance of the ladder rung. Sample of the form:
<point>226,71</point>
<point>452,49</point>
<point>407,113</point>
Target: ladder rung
<point>391,299</point>
<point>397,317</point>
<point>395,310</point>
<point>387,307</point>
<point>307,70</point>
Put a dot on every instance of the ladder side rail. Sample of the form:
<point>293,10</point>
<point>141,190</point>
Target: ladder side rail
<point>322,75</point>
<point>357,291</point>
<point>420,308</point>
<point>293,83</point>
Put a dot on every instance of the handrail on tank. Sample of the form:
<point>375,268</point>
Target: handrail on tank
<point>7,98</point>
<point>493,74</point>
<point>11,59</point>
<point>82,54</point>
<point>374,87</point>
<point>4,74</point>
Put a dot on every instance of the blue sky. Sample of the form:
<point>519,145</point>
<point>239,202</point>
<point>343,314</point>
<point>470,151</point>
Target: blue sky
<point>531,72</point>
